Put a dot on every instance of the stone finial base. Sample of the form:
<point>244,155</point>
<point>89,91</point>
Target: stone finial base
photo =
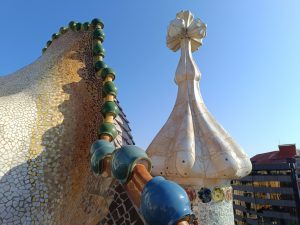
<point>212,206</point>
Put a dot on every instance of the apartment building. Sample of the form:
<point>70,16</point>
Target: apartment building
<point>270,194</point>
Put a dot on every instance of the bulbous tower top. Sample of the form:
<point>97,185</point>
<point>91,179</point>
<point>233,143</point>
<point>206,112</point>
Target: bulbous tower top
<point>192,148</point>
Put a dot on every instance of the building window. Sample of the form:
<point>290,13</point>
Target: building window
<point>239,213</point>
<point>273,196</point>
<point>280,172</point>
<point>271,184</point>
<point>241,183</point>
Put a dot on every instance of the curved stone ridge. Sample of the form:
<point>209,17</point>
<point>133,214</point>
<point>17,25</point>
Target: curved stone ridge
<point>77,26</point>
<point>49,117</point>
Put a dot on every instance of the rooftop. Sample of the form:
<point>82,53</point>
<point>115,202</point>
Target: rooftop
<point>281,156</point>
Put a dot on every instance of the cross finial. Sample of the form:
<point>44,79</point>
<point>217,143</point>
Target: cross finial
<point>185,26</point>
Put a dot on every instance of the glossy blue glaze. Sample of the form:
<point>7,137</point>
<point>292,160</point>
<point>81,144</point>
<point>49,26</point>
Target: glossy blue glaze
<point>124,160</point>
<point>99,150</point>
<point>164,202</point>
<point>101,144</point>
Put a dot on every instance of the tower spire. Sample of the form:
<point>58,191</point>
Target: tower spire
<point>192,148</point>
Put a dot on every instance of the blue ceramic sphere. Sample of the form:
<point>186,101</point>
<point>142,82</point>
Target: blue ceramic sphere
<point>124,160</point>
<point>99,150</point>
<point>98,144</point>
<point>164,202</point>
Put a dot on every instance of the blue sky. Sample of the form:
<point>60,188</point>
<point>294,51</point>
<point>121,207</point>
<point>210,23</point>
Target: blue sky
<point>250,60</point>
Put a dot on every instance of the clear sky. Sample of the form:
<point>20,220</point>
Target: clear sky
<point>250,59</point>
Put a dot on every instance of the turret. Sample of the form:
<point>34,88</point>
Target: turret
<point>192,148</point>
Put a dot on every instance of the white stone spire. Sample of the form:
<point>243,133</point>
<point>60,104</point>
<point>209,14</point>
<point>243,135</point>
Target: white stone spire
<point>192,148</point>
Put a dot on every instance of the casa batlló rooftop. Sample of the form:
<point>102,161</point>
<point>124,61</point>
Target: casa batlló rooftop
<point>68,156</point>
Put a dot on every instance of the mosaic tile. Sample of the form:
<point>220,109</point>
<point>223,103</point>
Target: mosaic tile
<point>49,116</point>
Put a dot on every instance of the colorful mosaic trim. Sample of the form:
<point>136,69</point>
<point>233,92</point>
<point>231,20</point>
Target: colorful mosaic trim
<point>110,110</point>
<point>129,164</point>
<point>77,26</point>
<point>123,163</point>
<point>207,195</point>
<point>106,160</point>
<point>107,131</point>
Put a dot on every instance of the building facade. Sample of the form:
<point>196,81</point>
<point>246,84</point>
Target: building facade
<point>270,194</point>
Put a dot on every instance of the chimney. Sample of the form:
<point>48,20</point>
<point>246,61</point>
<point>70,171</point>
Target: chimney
<point>289,149</point>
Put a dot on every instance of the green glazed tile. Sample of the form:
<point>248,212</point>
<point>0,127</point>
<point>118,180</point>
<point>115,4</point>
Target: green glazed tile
<point>86,26</point>
<point>72,25</point>
<point>99,34</point>
<point>109,88</point>
<point>109,129</point>
<point>99,65</point>
<point>55,36</point>
<point>48,43</point>
<point>63,30</point>
<point>110,107</point>
<point>78,26</point>
<point>98,50</point>
<point>44,50</point>
<point>96,22</point>
<point>108,71</point>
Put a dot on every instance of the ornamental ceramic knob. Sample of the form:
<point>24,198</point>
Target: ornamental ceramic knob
<point>192,148</point>
<point>164,202</point>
